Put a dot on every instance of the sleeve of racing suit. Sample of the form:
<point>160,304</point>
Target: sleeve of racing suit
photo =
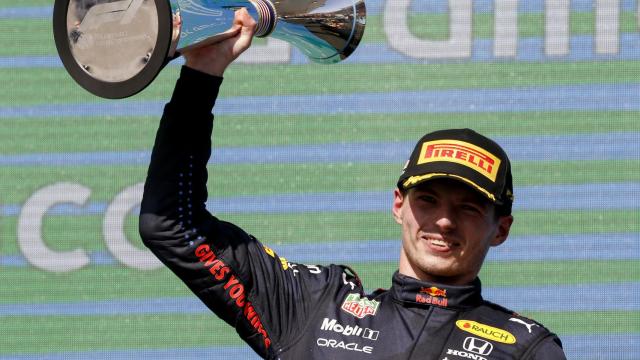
<point>549,348</point>
<point>247,285</point>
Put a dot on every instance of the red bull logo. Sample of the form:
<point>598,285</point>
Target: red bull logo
<point>432,295</point>
<point>431,300</point>
<point>434,291</point>
<point>462,153</point>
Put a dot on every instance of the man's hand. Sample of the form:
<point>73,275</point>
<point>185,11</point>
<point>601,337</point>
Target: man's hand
<point>213,59</point>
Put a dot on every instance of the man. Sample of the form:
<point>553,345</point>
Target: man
<point>453,202</point>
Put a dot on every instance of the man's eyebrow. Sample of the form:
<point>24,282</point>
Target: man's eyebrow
<point>479,200</point>
<point>424,191</point>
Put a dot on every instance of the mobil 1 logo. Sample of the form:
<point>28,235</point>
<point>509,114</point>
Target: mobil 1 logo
<point>348,330</point>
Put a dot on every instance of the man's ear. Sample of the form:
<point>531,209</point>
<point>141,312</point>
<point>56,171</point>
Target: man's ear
<point>396,210</point>
<point>504,225</point>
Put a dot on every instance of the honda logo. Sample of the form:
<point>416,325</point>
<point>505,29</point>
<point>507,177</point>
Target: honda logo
<point>477,346</point>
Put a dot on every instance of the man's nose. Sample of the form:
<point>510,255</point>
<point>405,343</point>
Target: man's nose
<point>445,219</point>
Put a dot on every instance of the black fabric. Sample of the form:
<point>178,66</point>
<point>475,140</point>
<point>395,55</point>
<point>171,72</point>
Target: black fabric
<point>195,91</point>
<point>285,310</point>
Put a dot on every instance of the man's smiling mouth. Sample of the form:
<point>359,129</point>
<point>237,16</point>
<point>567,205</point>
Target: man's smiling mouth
<point>440,244</point>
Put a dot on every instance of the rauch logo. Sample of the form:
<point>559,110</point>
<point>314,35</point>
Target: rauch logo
<point>486,331</point>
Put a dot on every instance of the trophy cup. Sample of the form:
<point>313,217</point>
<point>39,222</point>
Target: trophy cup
<point>116,48</point>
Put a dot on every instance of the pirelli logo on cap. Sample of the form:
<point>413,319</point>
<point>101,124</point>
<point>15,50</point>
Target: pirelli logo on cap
<point>462,153</point>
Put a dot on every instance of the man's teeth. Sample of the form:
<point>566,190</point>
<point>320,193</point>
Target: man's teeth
<point>439,242</point>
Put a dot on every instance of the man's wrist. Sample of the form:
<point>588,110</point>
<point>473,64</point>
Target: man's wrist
<point>196,90</point>
<point>207,67</point>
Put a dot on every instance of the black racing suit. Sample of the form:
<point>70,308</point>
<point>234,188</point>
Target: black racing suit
<point>285,310</point>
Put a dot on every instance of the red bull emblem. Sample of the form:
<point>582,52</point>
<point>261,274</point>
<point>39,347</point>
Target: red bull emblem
<point>434,291</point>
<point>433,296</point>
<point>463,153</point>
<point>358,307</point>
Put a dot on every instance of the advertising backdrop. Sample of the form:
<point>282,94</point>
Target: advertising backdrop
<point>306,157</point>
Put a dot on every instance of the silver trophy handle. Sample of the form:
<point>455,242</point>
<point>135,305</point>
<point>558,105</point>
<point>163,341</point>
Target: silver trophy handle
<point>116,48</point>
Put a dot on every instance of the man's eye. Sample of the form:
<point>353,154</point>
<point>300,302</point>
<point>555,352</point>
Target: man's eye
<point>471,208</point>
<point>427,198</point>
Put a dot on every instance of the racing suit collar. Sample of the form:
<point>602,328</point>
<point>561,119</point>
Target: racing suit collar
<point>408,290</point>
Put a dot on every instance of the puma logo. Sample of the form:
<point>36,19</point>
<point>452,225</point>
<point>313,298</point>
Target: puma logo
<point>529,326</point>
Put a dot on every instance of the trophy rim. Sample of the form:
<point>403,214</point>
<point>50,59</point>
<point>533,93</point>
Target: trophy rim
<point>358,31</point>
<point>117,89</point>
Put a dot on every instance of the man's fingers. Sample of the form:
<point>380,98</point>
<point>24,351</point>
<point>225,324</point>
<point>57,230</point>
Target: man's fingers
<point>248,28</point>
<point>223,48</point>
<point>245,20</point>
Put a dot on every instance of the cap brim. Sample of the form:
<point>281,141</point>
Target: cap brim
<point>419,179</point>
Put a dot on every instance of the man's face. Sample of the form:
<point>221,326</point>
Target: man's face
<point>447,229</point>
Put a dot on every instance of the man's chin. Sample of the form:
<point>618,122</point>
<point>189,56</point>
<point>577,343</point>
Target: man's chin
<point>439,268</point>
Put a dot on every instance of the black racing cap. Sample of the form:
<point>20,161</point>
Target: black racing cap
<point>466,156</point>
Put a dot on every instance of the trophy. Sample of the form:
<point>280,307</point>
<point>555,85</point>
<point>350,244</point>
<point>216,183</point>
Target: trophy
<point>116,48</point>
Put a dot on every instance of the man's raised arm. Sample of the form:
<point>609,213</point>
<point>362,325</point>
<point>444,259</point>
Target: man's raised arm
<point>265,298</point>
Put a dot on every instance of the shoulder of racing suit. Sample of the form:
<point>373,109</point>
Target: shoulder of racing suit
<point>506,326</point>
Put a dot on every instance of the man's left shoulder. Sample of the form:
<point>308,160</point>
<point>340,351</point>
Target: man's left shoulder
<point>506,334</point>
<point>520,326</point>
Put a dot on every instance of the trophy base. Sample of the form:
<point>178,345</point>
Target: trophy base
<point>113,49</point>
